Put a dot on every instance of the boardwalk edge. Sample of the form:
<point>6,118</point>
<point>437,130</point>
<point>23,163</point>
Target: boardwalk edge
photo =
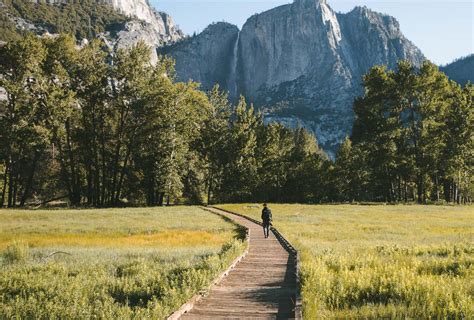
<point>189,305</point>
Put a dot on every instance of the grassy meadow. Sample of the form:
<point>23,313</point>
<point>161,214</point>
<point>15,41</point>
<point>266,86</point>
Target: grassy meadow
<point>109,263</point>
<point>375,262</point>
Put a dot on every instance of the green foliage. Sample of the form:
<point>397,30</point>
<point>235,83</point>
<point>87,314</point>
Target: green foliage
<point>81,19</point>
<point>212,141</point>
<point>17,252</point>
<point>412,139</point>
<point>241,169</point>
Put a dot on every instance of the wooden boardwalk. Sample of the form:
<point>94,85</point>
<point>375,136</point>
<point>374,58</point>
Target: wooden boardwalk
<point>261,286</point>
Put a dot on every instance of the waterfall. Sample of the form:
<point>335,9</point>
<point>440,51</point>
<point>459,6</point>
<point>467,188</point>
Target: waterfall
<point>232,80</point>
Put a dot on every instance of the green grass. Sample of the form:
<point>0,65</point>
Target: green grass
<point>113,263</point>
<point>372,262</point>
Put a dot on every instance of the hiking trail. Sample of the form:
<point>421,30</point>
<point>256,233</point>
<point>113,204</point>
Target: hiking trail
<point>263,285</point>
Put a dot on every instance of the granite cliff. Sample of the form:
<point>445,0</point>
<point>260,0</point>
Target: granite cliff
<point>303,58</point>
<point>160,22</point>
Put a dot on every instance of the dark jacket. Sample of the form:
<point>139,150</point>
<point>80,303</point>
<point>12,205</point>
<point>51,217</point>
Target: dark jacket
<point>266,215</point>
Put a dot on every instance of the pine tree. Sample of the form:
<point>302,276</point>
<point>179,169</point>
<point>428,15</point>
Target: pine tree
<point>241,169</point>
<point>457,164</point>
<point>275,143</point>
<point>212,144</point>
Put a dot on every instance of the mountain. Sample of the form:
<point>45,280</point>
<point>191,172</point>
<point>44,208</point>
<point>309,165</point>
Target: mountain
<point>301,63</point>
<point>461,70</point>
<point>121,23</point>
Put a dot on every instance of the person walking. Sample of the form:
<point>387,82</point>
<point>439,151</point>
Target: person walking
<point>266,220</point>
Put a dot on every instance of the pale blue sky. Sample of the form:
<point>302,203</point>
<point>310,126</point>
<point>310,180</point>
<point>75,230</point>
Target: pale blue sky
<point>443,30</point>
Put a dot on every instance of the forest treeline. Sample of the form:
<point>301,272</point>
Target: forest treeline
<point>412,140</point>
<point>84,19</point>
<point>109,129</point>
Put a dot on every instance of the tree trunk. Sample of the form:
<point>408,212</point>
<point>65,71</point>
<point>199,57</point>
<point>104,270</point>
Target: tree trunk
<point>459,195</point>
<point>115,194</point>
<point>455,192</point>
<point>406,192</point>
<point>75,197</point>
<point>30,178</point>
<point>64,170</point>
<point>118,192</point>
<point>104,171</point>
<point>15,190</point>
<point>392,192</point>
<point>90,191</point>
<point>209,190</point>
<point>420,189</point>
<point>161,199</point>
<point>437,188</point>
<point>399,191</point>
<point>5,180</point>
<point>10,185</point>
<point>150,194</point>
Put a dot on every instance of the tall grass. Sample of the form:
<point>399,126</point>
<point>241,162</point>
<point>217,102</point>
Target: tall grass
<point>143,264</point>
<point>17,252</point>
<point>373,262</point>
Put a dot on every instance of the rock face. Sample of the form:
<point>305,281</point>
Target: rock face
<point>150,26</point>
<point>206,58</point>
<point>302,57</point>
<point>161,22</point>
<point>461,70</point>
<point>133,32</point>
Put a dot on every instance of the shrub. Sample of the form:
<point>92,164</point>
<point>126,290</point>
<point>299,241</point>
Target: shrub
<point>17,252</point>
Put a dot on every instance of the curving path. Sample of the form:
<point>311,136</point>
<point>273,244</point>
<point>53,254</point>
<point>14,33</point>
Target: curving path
<point>261,286</point>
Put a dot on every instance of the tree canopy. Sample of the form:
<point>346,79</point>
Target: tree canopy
<point>413,137</point>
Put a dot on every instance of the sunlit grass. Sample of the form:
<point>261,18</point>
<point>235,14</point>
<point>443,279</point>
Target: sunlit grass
<point>110,263</point>
<point>375,262</point>
<point>171,227</point>
<point>176,238</point>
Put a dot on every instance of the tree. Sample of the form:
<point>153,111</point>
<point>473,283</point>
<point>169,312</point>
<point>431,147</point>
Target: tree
<point>304,182</point>
<point>407,126</point>
<point>23,133</point>
<point>457,165</point>
<point>241,169</point>
<point>213,139</point>
<point>62,110</point>
<point>275,143</point>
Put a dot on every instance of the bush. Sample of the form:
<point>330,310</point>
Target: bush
<point>17,252</point>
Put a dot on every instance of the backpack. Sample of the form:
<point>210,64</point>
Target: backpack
<point>266,215</point>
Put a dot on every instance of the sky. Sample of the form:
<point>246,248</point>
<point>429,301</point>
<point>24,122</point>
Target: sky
<point>443,30</point>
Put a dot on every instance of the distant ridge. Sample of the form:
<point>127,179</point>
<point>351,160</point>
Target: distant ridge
<point>461,70</point>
